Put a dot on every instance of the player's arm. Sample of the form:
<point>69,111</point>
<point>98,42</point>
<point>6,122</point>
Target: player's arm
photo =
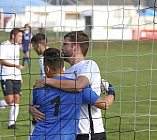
<point>90,97</point>
<point>30,46</point>
<point>105,102</point>
<point>33,110</point>
<point>66,85</point>
<point>5,63</point>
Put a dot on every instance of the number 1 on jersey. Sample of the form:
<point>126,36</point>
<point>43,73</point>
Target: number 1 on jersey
<point>57,101</point>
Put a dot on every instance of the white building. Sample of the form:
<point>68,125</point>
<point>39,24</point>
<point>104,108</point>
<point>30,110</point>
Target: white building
<point>105,21</point>
<point>67,18</point>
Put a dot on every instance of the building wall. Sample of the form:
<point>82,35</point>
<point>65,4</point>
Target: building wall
<point>106,21</point>
<point>64,18</point>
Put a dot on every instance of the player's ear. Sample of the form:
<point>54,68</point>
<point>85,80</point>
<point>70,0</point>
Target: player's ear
<point>39,45</point>
<point>77,46</point>
<point>47,69</point>
<point>12,36</point>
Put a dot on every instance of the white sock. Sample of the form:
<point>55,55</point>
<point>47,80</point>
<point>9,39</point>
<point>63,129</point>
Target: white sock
<point>31,129</point>
<point>14,111</point>
<point>3,104</point>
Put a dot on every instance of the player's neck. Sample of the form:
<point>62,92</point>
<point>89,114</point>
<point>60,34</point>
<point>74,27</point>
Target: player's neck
<point>12,41</point>
<point>42,50</point>
<point>56,74</point>
<point>76,60</point>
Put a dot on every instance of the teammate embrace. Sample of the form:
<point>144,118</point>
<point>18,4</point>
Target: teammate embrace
<point>81,73</point>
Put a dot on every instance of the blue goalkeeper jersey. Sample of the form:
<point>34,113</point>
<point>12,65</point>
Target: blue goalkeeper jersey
<point>62,112</point>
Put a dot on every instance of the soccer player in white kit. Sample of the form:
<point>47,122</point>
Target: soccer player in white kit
<point>86,72</point>
<point>39,42</point>
<point>11,75</point>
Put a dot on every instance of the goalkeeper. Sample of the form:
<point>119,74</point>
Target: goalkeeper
<point>62,109</point>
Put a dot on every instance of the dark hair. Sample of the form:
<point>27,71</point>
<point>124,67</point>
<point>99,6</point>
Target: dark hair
<point>15,31</point>
<point>39,38</point>
<point>79,37</point>
<point>26,24</point>
<point>54,59</point>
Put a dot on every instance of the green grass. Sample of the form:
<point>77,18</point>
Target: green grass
<point>130,66</point>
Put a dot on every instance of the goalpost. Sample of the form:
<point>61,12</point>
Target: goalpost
<point>123,40</point>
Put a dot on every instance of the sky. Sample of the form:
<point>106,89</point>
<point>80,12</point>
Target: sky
<point>17,6</point>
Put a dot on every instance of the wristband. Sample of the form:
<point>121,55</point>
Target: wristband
<point>111,93</point>
<point>111,90</point>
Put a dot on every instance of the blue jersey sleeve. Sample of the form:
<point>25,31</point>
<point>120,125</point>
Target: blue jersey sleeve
<point>89,96</point>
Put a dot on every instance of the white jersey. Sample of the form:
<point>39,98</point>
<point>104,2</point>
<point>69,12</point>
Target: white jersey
<point>11,54</point>
<point>41,63</point>
<point>91,70</point>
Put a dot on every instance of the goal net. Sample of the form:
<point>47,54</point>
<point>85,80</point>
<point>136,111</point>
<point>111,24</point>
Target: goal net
<point>123,40</point>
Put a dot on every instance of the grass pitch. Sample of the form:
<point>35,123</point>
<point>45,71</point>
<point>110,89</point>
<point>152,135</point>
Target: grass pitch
<point>129,65</point>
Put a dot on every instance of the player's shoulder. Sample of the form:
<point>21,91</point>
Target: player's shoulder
<point>88,63</point>
<point>41,59</point>
<point>42,89</point>
<point>87,88</point>
<point>7,42</point>
<point>38,89</point>
<point>62,78</point>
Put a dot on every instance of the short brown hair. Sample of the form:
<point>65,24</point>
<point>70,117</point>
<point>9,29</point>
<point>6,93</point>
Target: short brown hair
<point>15,31</point>
<point>54,59</point>
<point>79,37</point>
<point>39,38</point>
